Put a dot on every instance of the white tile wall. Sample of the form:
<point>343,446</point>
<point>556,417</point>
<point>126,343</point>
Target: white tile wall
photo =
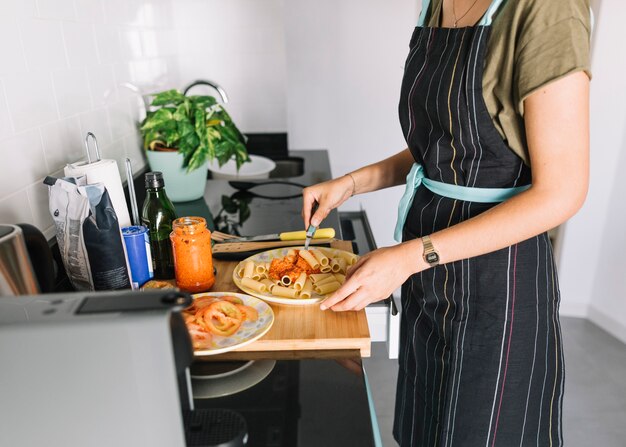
<point>61,66</point>
<point>240,44</point>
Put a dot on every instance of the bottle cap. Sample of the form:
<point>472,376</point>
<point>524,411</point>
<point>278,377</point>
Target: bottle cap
<point>154,180</point>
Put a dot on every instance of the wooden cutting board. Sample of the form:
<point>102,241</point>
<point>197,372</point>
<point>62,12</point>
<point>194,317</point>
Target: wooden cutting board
<point>300,331</point>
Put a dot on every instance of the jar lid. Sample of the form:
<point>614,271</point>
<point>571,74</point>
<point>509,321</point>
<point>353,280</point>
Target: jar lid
<point>154,179</point>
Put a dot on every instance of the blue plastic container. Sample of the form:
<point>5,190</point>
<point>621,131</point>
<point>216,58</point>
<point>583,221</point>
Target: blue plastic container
<point>139,257</point>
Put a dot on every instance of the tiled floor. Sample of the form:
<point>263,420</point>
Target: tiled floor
<point>595,387</point>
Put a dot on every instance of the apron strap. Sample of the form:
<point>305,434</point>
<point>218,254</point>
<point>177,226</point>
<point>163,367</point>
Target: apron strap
<point>488,17</point>
<point>416,178</point>
<point>422,18</point>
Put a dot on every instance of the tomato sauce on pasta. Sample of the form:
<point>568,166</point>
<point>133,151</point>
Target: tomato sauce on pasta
<point>290,266</point>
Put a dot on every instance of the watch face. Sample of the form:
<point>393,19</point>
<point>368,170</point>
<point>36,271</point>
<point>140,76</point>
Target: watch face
<point>432,258</point>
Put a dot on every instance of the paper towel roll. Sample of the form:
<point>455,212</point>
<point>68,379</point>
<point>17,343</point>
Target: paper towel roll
<point>104,171</point>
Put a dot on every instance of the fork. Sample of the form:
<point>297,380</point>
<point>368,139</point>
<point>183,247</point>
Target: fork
<point>218,236</point>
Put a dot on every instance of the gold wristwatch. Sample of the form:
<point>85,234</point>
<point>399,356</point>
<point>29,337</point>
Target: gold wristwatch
<point>430,254</point>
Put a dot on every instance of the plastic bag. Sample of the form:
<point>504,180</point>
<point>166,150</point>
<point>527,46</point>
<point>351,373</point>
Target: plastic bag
<point>88,234</point>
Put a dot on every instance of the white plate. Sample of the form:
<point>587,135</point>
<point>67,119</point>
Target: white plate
<point>257,168</point>
<point>266,296</point>
<point>234,383</point>
<point>249,330</point>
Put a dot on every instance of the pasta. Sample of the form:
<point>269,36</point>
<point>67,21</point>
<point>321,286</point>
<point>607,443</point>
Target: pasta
<point>307,289</point>
<point>309,258</point>
<point>328,287</point>
<point>254,285</point>
<point>298,275</point>
<point>321,257</point>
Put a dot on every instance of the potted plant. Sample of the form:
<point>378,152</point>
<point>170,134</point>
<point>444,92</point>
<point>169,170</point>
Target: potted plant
<point>181,134</point>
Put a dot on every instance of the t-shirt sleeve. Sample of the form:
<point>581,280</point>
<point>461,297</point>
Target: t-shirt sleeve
<point>552,47</point>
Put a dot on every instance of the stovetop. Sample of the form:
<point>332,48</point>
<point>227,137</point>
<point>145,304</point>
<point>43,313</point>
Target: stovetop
<point>296,403</point>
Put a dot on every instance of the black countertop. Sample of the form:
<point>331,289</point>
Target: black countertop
<point>263,209</point>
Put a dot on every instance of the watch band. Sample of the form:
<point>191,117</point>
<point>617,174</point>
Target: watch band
<point>430,254</point>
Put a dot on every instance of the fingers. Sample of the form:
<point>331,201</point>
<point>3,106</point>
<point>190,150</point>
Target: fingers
<point>340,294</point>
<point>321,214</point>
<point>308,200</point>
<point>356,266</point>
<point>356,301</point>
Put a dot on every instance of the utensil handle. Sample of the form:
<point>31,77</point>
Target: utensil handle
<point>321,233</point>
<point>131,192</point>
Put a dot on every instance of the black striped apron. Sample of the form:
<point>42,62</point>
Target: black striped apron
<point>481,360</point>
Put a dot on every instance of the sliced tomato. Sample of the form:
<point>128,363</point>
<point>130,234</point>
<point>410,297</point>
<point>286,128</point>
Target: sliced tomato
<point>231,299</point>
<point>200,339</point>
<point>250,313</point>
<point>201,302</point>
<point>221,318</point>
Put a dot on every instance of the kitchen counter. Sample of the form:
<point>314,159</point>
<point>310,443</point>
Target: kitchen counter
<point>296,401</point>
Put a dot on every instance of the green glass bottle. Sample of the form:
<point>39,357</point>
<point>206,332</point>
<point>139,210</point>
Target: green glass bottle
<point>158,214</point>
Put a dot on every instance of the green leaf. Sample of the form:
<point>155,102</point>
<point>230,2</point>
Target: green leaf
<point>203,102</point>
<point>160,118</point>
<point>197,126</point>
<point>168,97</point>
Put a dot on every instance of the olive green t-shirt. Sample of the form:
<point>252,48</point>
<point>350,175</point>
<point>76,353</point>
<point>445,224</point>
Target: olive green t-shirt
<point>533,42</point>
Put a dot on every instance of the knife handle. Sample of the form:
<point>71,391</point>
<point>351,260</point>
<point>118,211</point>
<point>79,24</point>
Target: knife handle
<point>324,233</point>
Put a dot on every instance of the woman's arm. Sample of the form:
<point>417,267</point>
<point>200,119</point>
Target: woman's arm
<point>329,195</point>
<point>557,129</point>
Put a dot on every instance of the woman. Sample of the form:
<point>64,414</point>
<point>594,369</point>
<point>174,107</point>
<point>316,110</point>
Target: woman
<point>494,109</point>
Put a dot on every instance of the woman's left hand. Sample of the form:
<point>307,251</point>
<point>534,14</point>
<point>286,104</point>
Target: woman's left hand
<point>374,277</point>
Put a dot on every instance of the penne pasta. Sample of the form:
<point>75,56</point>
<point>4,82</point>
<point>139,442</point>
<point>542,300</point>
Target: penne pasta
<point>248,269</point>
<point>299,283</point>
<point>329,278</point>
<point>254,285</point>
<point>338,265</point>
<point>309,258</point>
<point>284,292</point>
<point>268,283</point>
<point>327,288</point>
<point>341,278</point>
<point>307,289</point>
<point>240,271</point>
<point>349,257</point>
<point>320,256</point>
<point>326,269</point>
<point>256,276</point>
<point>315,277</point>
<point>285,280</point>
<point>259,268</point>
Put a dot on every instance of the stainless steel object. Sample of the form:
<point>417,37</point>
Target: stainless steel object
<point>309,235</point>
<point>95,144</point>
<point>16,272</point>
<point>131,192</point>
<point>212,84</point>
<point>96,369</point>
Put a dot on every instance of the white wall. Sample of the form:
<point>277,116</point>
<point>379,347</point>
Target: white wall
<point>592,276</point>
<point>61,66</point>
<point>240,44</point>
<point>344,67</point>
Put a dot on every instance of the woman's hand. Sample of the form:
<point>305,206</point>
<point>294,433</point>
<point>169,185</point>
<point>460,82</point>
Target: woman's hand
<point>376,275</point>
<point>328,196</point>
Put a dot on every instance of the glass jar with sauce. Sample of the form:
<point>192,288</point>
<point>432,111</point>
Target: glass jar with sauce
<point>193,261</point>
